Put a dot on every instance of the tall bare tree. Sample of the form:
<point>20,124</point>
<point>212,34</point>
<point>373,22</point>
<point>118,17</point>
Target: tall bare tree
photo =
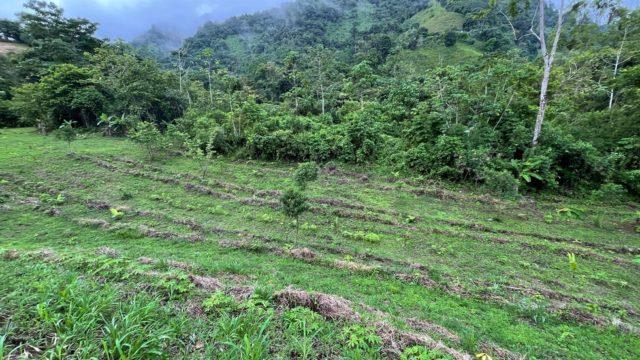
<point>548,56</point>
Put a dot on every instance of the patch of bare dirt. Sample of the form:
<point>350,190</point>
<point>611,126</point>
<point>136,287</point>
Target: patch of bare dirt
<point>429,327</point>
<point>10,255</point>
<point>395,341</point>
<point>329,306</point>
<point>241,293</point>
<point>418,279</point>
<point>208,191</point>
<point>97,205</point>
<point>206,283</point>
<point>146,261</point>
<point>194,308</point>
<point>45,254</point>
<point>303,254</point>
<point>53,212</point>
<point>94,223</point>
<point>353,266</point>
<point>179,265</point>
<point>500,353</point>
<point>108,252</point>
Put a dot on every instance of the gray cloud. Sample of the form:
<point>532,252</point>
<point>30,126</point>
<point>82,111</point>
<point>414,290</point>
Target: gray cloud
<point>128,18</point>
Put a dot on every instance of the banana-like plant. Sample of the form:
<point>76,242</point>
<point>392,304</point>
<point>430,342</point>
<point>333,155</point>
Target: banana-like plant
<point>573,262</point>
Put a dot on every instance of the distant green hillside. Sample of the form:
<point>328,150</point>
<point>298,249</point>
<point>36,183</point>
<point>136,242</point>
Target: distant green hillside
<point>355,30</point>
<point>436,19</point>
<point>405,37</point>
<point>158,43</point>
<point>9,47</point>
<point>413,62</point>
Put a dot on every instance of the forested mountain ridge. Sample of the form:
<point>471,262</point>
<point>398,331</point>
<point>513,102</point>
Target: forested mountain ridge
<point>158,43</point>
<point>357,30</point>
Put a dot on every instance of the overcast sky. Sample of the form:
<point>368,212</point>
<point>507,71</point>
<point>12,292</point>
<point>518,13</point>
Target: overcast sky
<point>128,18</point>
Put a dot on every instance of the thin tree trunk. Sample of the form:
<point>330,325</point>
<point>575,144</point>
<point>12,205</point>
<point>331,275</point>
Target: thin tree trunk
<point>210,87</point>
<point>543,103</point>
<point>616,67</point>
<point>323,101</point>
<point>548,58</point>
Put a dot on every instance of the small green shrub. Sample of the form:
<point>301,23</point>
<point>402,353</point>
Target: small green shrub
<point>610,193</point>
<point>129,234</point>
<point>175,287</point>
<point>306,173</point>
<point>309,227</point>
<point>116,214</point>
<point>220,303</point>
<point>570,212</point>
<point>361,341</point>
<point>294,203</point>
<point>267,218</point>
<point>469,341</point>
<point>67,133</point>
<point>501,183</point>
<point>299,318</point>
<point>573,262</point>
<point>363,236</point>
<point>422,353</point>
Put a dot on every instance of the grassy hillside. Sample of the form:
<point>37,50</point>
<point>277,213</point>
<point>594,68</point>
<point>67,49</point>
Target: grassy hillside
<point>8,48</point>
<point>99,246</point>
<point>436,19</point>
<point>416,62</point>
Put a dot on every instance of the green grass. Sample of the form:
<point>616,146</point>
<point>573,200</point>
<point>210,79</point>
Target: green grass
<point>484,275</point>
<point>416,62</point>
<point>437,20</point>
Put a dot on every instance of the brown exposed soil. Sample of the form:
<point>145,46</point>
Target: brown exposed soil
<point>94,223</point>
<point>329,306</point>
<point>108,252</point>
<point>146,261</point>
<point>241,293</point>
<point>353,266</point>
<point>429,327</point>
<point>178,265</point>
<point>395,341</point>
<point>10,255</point>
<point>206,283</point>
<point>303,254</point>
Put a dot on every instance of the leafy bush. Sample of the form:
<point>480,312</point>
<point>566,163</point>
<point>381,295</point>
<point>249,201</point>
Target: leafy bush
<point>363,236</point>
<point>501,183</point>
<point>422,353</point>
<point>149,137</point>
<point>631,180</point>
<point>66,132</point>
<point>294,203</point>
<point>439,160</point>
<point>361,341</point>
<point>220,303</point>
<point>305,173</point>
<point>278,145</point>
<point>610,193</point>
